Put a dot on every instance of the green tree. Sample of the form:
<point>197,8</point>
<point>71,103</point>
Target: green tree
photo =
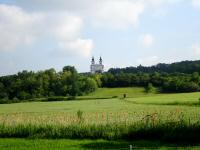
<point>90,85</point>
<point>150,88</point>
<point>3,94</point>
<point>70,69</point>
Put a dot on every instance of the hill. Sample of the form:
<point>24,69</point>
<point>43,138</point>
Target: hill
<point>177,67</point>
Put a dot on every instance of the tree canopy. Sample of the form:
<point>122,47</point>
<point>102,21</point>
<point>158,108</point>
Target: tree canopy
<point>48,83</point>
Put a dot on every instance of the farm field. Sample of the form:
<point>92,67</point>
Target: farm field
<point>46,144</point>
<point>117,92</point>
<point>97,115</point>
<point>169,99</point>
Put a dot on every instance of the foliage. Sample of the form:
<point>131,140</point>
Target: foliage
<point>112,119</point>
<point>61,144</point>
<point>150,88</point>
<point>52,99</point>
<point>149,128</point>
<point>176,82</point>
<point>187,67</point>
<point>80,116</point>
<point>49,83</point>
<point>173,78</point>
<point>176,77</point>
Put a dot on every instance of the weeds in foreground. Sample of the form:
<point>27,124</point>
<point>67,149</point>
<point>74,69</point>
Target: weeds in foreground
<point>80,116</point>
<point>151,126</point>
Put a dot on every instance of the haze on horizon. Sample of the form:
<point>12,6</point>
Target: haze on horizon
<point>43,34</point>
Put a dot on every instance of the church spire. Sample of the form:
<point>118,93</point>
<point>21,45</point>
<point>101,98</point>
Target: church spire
<point>100,61</point>
<point>93,62</point>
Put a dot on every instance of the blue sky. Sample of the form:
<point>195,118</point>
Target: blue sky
<point>38,35</point>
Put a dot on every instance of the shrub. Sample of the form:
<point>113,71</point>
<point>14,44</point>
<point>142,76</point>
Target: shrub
<point>24,95</point>
<point>150,88</point>
<point>115,96</point>
<point>80,116</point>
<point>71,98</point>
<point>51,99</point>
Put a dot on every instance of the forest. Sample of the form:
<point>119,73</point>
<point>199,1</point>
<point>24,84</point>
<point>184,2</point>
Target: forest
<point>48,83</point>
<point>166,78</point>
<point>187,67</point>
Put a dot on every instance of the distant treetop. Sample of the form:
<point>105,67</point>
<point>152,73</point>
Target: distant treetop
<point>177,67</point>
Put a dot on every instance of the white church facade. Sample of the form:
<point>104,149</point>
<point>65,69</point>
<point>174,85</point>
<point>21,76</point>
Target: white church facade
<point>96,68</point>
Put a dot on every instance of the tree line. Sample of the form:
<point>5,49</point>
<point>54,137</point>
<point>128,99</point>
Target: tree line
<point>176,77</point>
<point>165,82</point>
<point>48,83</point>
<point>187,67</point>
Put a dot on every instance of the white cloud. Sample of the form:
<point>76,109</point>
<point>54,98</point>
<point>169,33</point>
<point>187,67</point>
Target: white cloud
<point>31,21</point>
<point>86,5</point>
<point>74,47</point>
<point>70,5</point>
<point>196,48</point>
<point>148,61</point>
<point>20,28</point>
<point>146,40</point>
<point>65,26</point>
<point>16,27</point>
<point>118,14</point>
<point>115,14</point>
<point>196,3</point>
<point>159,3</point>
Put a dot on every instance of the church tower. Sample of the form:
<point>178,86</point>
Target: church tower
<point>92,62</point>
<point>100,61</point>
<point>96,68</point>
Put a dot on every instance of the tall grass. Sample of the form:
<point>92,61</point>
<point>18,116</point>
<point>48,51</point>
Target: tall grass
<point>176,128</point>
<point>167,131</point>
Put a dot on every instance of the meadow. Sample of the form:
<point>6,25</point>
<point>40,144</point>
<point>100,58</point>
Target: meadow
<point>63,144</point>
<point>105,114</point>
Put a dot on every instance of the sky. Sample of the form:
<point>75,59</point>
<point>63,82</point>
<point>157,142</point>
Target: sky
<point>42,34</point>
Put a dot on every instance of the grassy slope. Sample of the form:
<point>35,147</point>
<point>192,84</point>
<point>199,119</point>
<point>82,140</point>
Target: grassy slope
<point>43,144</point>
<point>134,105</point>
<point>111,92</point>
<point>180,98</point>
<point>104,105</point>
<point>90,103</point>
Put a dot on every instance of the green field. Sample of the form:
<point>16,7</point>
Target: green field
<point>117,92</point>
<point>170,99</point>
<point>104,108</point>
<point>47,144</point>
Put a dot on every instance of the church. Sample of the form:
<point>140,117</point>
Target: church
<point>96,68</point>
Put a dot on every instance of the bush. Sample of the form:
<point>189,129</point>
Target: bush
<point>51,99</point>
<point>115,96</point>
<point>180,86</point>
<point>80,116</point>
<point>150,88</point>
<point>24,95</point>
<point>71,98</point>
<point>4,101</point>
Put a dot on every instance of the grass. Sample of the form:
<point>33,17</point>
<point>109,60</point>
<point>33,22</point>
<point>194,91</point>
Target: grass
<point>93,111</point>
<point>116,92</point>
<point>101,93</point>
<point>63,144</point>
<point>149,128</point>
<point>169,99</point>
<point>98,115</point>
